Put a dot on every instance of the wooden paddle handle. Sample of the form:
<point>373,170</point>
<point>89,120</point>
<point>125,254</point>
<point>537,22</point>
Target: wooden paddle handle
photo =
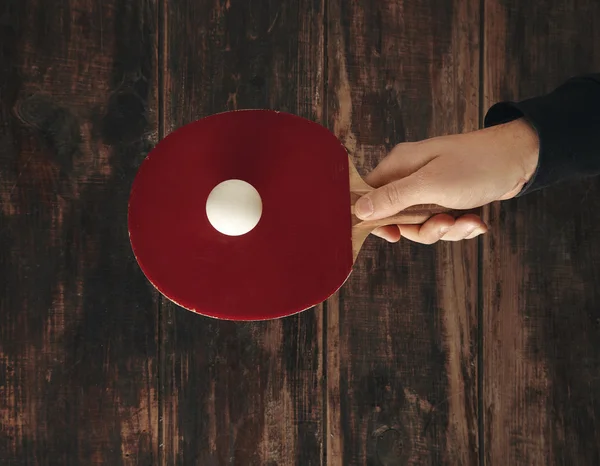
<point>414,215</point>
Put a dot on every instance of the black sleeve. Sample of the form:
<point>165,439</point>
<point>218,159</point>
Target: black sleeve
<point>568,125</point>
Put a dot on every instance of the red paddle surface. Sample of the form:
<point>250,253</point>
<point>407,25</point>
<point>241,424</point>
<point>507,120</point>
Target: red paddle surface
<point>299,253</point>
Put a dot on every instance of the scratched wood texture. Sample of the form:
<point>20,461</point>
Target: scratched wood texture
<point>401,335</point>
<point>541,260</point>
<point>78,339</point>
<point>96,368</point>
<point>242,393</point>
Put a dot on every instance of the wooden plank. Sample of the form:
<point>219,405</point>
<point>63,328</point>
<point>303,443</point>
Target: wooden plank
<point>541,267</point>
<point>243,393</point>
<point>401,335</point>
<point>78,348</point>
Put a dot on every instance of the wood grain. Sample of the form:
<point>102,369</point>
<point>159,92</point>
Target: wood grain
<point>541,267</point>
<point>401,335</point>
<point>242,393</point>
<point>95,368</point>
<point>78,348</point>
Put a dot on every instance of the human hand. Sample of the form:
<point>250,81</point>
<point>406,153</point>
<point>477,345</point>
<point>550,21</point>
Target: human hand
<point>461,171</point>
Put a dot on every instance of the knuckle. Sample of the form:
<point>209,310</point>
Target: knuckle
<point>391,195</point>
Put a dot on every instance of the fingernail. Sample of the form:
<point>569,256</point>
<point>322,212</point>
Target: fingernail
<point>363,207</point>
<point>475,233</point>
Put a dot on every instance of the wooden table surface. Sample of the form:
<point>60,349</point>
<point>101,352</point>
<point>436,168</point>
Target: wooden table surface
<point>479,353</point>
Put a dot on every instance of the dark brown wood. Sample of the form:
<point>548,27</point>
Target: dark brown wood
<point>401,335</point>
<point>95,368</point>
<point>243,393</point>
<point>541,259</point>
<point>78,347</point>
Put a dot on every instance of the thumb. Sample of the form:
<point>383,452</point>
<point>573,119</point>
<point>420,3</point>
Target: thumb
<point>392,198</point>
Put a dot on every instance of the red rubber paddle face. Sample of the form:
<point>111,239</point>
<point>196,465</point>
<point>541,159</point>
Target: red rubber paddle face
<point>299,253</point>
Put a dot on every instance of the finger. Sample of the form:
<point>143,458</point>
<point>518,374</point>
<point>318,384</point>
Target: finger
<point>396,196</point>
<point>477,232</point>
<point>402,161</point>
<point>465,227</point>
<point>431,231</point>
<point>389,233</point>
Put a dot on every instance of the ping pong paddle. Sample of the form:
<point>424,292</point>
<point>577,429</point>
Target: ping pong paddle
<point>305,242</point>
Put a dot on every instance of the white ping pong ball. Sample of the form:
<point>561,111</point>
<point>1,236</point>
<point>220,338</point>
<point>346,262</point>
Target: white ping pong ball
<point>234,207</point>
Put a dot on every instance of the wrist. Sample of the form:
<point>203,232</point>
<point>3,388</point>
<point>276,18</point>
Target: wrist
<point>524,144</point>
